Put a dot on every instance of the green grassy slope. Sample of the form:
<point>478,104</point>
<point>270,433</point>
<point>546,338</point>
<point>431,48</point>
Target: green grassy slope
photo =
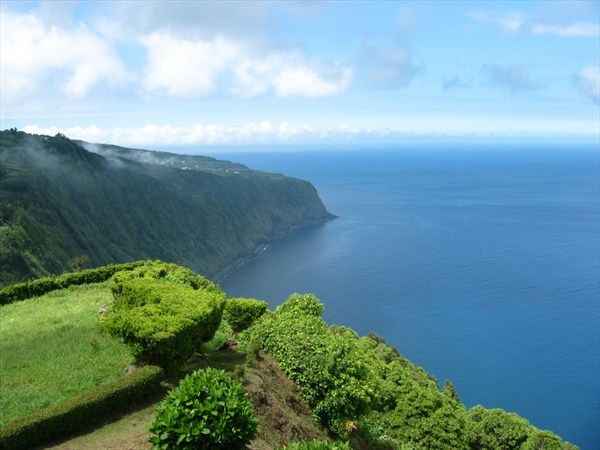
<point>53,348</point>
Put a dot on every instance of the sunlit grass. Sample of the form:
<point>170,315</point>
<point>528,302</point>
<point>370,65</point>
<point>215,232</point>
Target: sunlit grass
<point>53,348</point>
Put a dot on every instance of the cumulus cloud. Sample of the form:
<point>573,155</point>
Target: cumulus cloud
<point>170,49</point>
<point>513,78</point>
<point>588,82</point>
<point>185,68</point>
<point>39,57</point>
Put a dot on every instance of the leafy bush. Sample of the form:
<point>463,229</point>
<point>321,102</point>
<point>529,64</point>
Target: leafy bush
<point>163,322</point>
<point>207,410</point>
<point>240,313</point>
<point>333,381</point>
<point>78,412</point>
<point>496,429</point>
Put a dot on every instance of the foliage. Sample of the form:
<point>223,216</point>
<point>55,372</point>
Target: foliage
<point>242,312</point>
<point>542,440</point>
<point>164,312</point>
<point>35,288</point>
<point>78,412</point>
<point>59,201</point>
<point>364,389</point>
<point>207,410</point>
<point>496,429</point>
<point>317,445</point>
<point>34,334</point>
<point>221,337</point>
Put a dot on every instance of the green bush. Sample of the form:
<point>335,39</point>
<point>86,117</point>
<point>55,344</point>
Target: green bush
<point>242,312</point>
<point>351,382</point>
<point>162,321</point>
<point>36,288</point>
<point>75,414</point>
<point>208,410</point>
<point>160,270</point>
<point>496,429</point>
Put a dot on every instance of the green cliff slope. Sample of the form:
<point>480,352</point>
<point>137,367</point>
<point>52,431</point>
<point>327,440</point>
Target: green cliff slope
<point>59,201</point>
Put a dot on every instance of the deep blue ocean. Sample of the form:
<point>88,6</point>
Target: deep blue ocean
<point>480,264</point>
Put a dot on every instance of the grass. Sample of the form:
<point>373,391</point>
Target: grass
<point>53,348</point>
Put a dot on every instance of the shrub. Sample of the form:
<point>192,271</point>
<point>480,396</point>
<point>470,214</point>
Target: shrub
<point>36,288</point>
<point>78,412</point>
<point>159,270</point>
<point>345,379</point>
<point>208,410</point>
<point>496,429</point>
<point>163,322</point>
<point>242,312</point>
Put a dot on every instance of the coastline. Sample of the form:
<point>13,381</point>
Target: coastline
<point>241,259</point>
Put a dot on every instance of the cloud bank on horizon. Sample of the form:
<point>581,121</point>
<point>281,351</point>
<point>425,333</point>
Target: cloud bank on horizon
<point>211,73</point>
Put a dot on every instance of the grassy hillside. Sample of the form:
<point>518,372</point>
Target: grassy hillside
<point>304,378</point>
<point>53,348</point>
<point>60,201</point>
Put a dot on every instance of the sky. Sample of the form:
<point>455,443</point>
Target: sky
<point>198,74</point>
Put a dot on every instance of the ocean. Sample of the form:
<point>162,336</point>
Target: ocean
<point>479,263</point>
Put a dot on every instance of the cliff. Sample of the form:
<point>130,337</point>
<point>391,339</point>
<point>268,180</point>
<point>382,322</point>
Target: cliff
<point>62,199</point>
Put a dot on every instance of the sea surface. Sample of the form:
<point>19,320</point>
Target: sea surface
<point>481,264</point>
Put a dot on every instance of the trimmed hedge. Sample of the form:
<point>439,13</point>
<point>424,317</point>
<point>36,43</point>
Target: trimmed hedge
<point>159,270</point>
<point>164,312</point>
<point>41,286</point>
<point>240,313</point>
<point>74,414</point>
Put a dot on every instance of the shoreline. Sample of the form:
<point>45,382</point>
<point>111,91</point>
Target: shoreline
<point>221,274</point>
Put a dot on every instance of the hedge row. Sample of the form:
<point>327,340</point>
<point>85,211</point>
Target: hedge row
<point>75,414</point>
<point>240,313</point>
<point>35,288</point>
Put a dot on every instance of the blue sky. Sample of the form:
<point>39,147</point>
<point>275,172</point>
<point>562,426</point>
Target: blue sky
<point>155,74</point>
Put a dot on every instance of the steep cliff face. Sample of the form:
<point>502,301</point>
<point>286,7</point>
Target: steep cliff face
<point>61,199</point>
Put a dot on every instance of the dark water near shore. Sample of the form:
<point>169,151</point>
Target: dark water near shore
<point>481,265</point>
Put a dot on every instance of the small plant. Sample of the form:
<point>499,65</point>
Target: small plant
<point>208,410</point>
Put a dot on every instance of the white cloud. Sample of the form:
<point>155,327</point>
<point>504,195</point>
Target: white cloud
<point>38,58</point>
<point>311,81</point>
<point>183,68</point>
<point>151,135</point>
<point>186,68</point>
<point>588,82</point>
<point>267,133</point>
<point>515,22</point>
<point>574,29</point>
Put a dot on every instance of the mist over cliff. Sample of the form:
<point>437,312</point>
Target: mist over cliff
<point>62,199</point>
